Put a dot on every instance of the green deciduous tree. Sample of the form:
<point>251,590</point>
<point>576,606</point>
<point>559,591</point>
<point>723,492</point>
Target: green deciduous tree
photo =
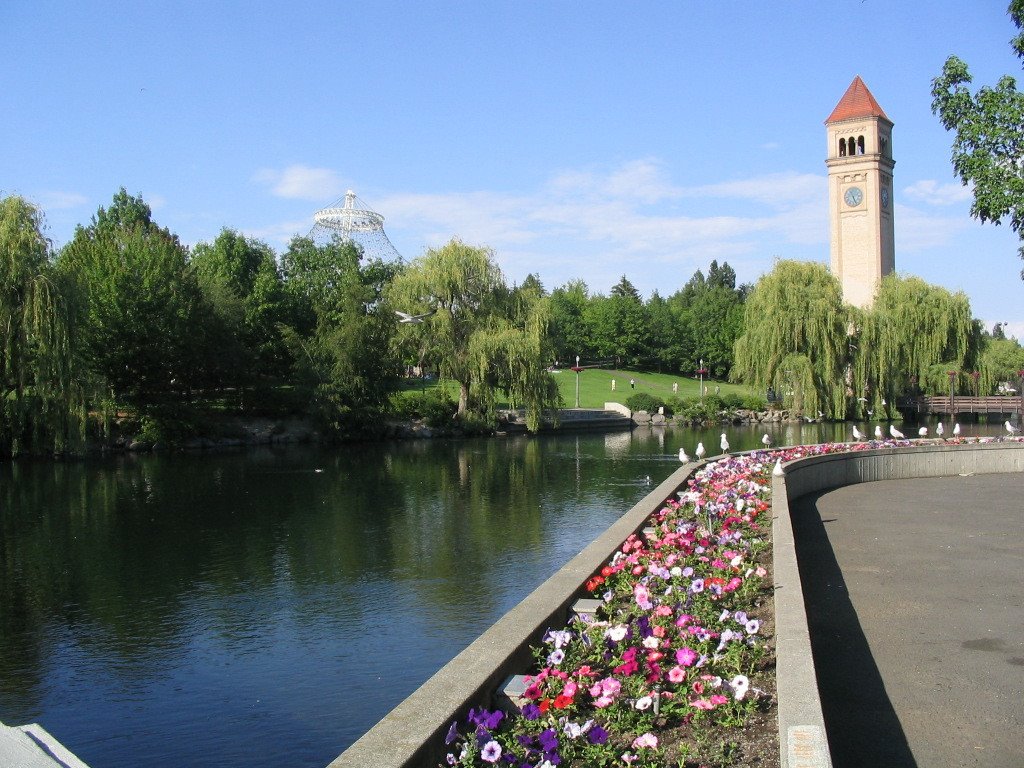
<point>340,328</point>
<point>988,148</point>
<point>144,328</point>
<point>913,331</point>
<point>41,406</point>
<point>482,335</point>
<point>795,338</point>
<point>241,282</point>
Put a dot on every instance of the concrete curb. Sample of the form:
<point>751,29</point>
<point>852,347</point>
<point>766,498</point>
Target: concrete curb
<point>803,741</point>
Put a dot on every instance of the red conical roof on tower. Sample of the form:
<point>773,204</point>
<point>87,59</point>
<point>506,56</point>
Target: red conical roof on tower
<point>856,102</point>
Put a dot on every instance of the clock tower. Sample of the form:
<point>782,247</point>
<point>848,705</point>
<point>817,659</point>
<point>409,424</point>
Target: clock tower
<point>860,194</point>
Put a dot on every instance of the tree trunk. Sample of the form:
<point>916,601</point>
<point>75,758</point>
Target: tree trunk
<point>463,397</point>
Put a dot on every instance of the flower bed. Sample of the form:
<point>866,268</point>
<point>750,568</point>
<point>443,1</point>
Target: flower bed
<point>677,665</point>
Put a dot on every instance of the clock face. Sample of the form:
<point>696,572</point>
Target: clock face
<point>853,196</point>
<point>885,197</point>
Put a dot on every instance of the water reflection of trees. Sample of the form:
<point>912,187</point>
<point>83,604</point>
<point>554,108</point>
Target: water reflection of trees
<point>130,557</point>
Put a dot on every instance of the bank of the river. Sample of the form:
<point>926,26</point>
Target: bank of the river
<point>237,432</point>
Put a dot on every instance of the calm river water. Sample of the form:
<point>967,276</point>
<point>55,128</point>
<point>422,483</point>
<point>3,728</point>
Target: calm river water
<point>266,607</point>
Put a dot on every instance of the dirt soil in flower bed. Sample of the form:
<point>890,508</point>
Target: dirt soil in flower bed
<point>756,742</point>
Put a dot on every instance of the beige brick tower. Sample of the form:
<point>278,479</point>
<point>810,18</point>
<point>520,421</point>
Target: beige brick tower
<point>860,193</point>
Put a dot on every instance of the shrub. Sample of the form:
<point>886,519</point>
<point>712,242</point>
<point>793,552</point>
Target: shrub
<point>642,401</point>
<point>732,401</point>
<point>435,407</point>
<point>755,403</point>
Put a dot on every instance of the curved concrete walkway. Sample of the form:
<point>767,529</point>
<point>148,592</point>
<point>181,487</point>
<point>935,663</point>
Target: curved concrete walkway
<point>915,603</point>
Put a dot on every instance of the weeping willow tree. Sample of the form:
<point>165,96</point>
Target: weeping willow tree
<point>913,335</point>
<point>795,338</point>
<point>41,408</point>
<point>479,333</point>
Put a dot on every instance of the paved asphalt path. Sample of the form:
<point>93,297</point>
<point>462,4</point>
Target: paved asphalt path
<point>915,600</point>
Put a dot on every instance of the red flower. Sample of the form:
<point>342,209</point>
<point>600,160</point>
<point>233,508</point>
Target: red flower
<point>561,702</point>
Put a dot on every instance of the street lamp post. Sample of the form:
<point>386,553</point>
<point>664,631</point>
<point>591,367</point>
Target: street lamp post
<point>577,369</point>
<point>701,371</point>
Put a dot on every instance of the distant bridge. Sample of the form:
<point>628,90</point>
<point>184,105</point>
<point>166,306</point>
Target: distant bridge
<point>996,404</point>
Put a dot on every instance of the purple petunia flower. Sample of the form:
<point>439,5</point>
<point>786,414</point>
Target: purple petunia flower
<point>531,711</point>
<point>548,740</point>
<point>597,735</point>
<point>453,732</point>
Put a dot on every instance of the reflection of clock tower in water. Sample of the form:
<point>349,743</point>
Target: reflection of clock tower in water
<point>860,193</point>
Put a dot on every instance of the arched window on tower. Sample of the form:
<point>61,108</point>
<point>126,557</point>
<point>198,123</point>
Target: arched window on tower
<point>842,147</point>
<point>860,145</point>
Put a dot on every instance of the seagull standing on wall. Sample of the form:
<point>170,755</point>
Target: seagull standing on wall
<point>956,429</point>
<point>878,431</point>
<point>682,456</point>
<point>700,451</point>
<point>922,432</point>
<point>725,443</point>
<point>857,434</point>
<point>895,432</point>
<point>766,441</point>
<point>1010,428</point>
<point>940,429</point>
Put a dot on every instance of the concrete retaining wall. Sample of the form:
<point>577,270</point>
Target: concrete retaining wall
<point>802,736</point>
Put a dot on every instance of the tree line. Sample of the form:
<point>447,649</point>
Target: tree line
<point>126,319</point>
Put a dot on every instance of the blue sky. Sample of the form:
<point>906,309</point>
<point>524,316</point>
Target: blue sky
<point>577,139</point>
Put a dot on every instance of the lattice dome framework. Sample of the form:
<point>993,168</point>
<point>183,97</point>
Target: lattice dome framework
<point>351,219</point>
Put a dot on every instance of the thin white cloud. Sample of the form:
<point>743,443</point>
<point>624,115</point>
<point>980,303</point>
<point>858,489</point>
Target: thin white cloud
<point>918,231</point>
<point>1014,329</point>
<point>300,182</point>
<point>931,192</point>
<point>280,233</point>
<point>632,218</point>
<point>779,190</point>
<point>54,200</point>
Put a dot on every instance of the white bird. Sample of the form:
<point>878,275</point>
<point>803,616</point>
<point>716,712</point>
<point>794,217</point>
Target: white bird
<point>883,402</point>
<point>956,429</point>
<point>922,432</point>
<point>682,456</point>
<point>1010,428</point>
<point>778,468</point>
<point>405,317</point>
<point>766,441</point>
<point>895,432</point>
<point>857,434</point>
<point>725,443</point>
<point>878,431</point>
<point>871,413</point>
<point>700,452</point>
<point>939,430</point>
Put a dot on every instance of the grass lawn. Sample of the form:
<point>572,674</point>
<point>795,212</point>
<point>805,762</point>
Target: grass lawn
<point>596,386</point>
